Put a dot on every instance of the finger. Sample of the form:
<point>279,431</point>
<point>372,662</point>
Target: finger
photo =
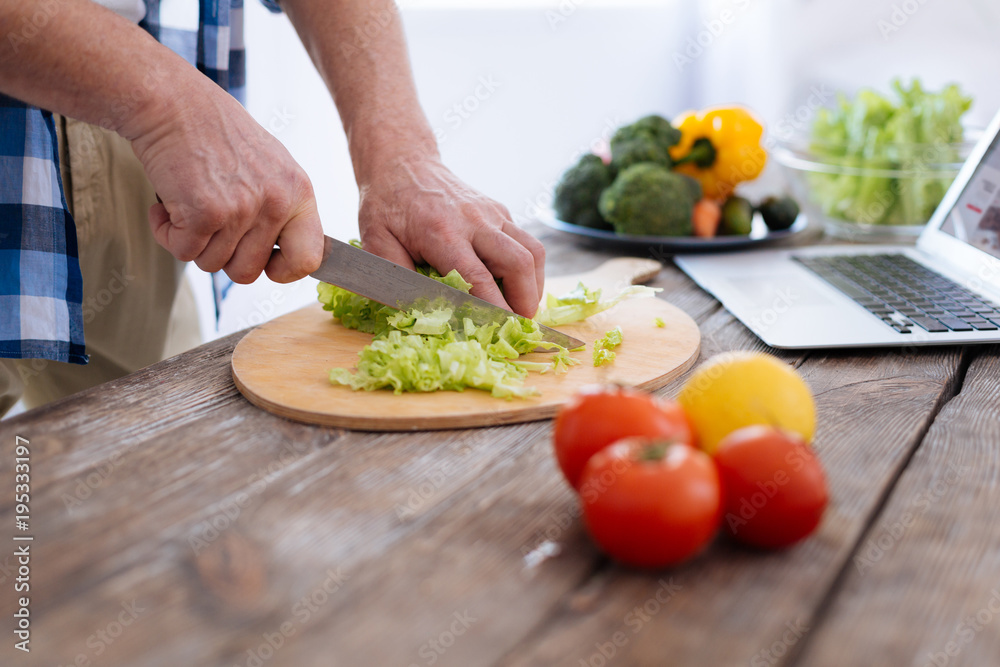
<point>219,250</point>
<point>387,246</point>
<point>535,247</point>
<point>251,255</point>
<point>464,260</point>
<point>300,245</point>
<point>182,243</point>
<point>515,265</point>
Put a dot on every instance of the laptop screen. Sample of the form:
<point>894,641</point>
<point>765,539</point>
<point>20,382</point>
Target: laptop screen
<point>975,217</point>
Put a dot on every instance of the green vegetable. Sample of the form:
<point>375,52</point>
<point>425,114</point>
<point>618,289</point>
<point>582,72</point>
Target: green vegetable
<point>627,152</point>
<point>646,140</point>
<point>659,322</point>
<point>415,362</point>
<point>417,351</point>
<point>648,199</point>
<point>904,143</point>
<point>653,128</point>
<point>579,189</point>
<point>581,303</point>
<point>737,217</point>
<point>694,187</point>
<point>357,312</point>
<point>778,212</point>
<point>604,345</point>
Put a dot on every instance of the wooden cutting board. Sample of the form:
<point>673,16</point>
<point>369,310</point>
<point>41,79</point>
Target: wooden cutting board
<point>282,365</point>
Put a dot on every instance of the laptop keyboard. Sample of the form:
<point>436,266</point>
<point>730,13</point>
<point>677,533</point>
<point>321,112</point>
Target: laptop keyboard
<point>904,294</point>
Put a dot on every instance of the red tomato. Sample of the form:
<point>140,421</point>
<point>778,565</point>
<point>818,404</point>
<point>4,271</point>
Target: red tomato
<point>650,503</point>
<point>774,486</point>
<point>601,415</point>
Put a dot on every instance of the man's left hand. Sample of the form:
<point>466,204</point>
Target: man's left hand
<point>417,211</point>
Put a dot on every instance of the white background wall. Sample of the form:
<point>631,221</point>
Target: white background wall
<point>564,72</point>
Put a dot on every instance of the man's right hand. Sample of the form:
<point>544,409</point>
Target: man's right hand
<point>230,191</point>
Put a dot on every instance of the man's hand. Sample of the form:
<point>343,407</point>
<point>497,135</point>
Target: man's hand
<point>416,210</point>
<point>230,191</point>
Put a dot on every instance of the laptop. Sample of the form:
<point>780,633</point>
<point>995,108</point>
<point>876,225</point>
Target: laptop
<point>944,291</point>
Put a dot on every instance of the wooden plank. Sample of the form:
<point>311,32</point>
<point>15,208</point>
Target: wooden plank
<point>923,587</point>
<point>735,606</point>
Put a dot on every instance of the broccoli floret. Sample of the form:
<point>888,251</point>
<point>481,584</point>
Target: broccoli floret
<point>578,191</point>
<point>693,186</point>
<point>648,199</point>
<point>646,140</point>
<point>656,128</point>
<point>627,152</point>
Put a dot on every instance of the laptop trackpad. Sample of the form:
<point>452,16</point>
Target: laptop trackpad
<point>788,289</point>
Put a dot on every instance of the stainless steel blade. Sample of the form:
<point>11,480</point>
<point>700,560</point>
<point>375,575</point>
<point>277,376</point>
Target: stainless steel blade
<point>393,285</point>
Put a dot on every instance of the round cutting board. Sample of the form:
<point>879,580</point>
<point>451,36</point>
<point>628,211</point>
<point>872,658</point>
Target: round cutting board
<point>282,366</point>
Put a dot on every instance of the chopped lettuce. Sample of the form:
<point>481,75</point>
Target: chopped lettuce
<point>357,312</point>
<point>418,351</point>
<point>659,322</point>
<point>418,362</point>
<point>902,145</point>
<point>604,346</point>
<point>424,351</point>
<point>581,303</point>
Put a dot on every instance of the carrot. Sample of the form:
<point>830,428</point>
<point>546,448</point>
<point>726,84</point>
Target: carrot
<point>705,218</point>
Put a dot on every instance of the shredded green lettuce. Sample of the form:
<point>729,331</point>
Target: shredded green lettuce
<point>604,346</point>
<point>581,303</point>
<point>358,312</point>
<point>421,352</point>
<point>904,145</point>
<point>418,362</point>
<point>659,322</point>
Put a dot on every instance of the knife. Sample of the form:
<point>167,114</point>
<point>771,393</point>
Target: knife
<point>398,287</point>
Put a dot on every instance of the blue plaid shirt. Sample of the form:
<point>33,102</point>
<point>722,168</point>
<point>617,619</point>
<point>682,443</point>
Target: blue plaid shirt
<point>41,289</point>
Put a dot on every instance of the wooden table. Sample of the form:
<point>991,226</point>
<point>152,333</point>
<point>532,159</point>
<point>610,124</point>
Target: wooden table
<point>175,524</point>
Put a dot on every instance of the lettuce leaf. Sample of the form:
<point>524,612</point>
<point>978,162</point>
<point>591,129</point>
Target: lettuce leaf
<point>581,303</point>
<point>913,133</point>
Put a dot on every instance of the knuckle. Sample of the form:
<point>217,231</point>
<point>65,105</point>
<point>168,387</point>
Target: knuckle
<point>536,248</point>
<point>212,217</point>
<point>302,184</point>
<point>276,206</point>
<point>303,263</point>
<point>242,274</point>
<point>208,265</point>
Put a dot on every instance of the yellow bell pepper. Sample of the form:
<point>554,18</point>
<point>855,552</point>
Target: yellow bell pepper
<point>719,147</point>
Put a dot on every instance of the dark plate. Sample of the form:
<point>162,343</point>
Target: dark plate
<point>759,235</point>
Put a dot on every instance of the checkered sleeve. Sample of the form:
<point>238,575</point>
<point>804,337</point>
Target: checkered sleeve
<point>40,284</point>
<point>41,315</point>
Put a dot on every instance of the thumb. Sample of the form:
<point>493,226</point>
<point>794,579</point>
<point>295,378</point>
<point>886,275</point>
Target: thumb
<point>159,223</point>
<point>300,247</point>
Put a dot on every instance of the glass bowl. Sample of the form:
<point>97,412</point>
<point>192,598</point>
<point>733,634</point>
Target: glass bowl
<point>887,194</point>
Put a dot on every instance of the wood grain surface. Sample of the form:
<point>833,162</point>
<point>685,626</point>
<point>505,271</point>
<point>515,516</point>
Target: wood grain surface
<point>175,524</point>
<point>283,365</point>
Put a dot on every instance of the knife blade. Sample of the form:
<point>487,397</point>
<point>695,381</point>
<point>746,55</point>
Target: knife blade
<point>380,280</point>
